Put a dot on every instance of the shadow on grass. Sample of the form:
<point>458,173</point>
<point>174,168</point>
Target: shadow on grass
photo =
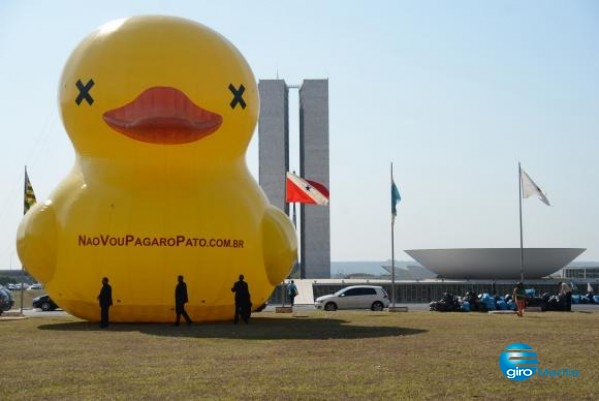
<point>258,329</point>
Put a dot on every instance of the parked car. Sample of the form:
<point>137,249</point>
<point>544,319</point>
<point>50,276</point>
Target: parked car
<point>17,286</point>
<point>35,286</point>
<point>6,300</point>
<point>372,297</point>
<point>44,302</point>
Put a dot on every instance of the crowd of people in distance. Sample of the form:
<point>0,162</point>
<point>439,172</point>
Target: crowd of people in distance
<point>517,301</point>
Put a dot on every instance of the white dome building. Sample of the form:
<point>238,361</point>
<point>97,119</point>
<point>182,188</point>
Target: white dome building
<point>494,263</point>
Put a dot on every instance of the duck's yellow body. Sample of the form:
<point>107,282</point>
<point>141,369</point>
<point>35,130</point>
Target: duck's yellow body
<point>160,111</point>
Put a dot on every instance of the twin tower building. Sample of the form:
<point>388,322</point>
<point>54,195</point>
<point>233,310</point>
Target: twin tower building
<point>273,136</point>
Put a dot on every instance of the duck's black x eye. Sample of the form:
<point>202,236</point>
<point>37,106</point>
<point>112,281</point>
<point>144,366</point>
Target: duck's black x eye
<point>237,96</point>
<point>84,92</point>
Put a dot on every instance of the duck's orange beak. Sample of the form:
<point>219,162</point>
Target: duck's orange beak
<point>163,115</point>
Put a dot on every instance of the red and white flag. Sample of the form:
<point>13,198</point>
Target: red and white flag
<point>305,191</point>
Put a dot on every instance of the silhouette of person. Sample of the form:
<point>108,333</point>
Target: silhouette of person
<point>243,303</point>
<point>291,292</point>
<point>105,300</point>
<point>565,293</point>
<point>519,297</point>
<point>180,301</point>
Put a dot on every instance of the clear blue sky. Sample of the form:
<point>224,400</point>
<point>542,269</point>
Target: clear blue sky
<point>454,93</point>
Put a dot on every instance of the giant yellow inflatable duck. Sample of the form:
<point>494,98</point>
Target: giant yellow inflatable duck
<point>160,111</point>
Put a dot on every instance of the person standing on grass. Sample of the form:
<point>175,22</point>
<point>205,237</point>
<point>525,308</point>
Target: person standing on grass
<point>180,300</point>
<point>565,293</point>
<point>291,292</point>
<point>519,296</point>
<point>105,300</point>
<point>243,303</point>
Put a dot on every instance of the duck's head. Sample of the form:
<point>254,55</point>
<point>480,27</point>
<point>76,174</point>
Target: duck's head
<point>145,86</point>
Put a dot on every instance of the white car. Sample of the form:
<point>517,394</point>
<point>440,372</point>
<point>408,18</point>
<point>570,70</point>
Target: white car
<point>372,297</point>
<point>36,286</point>
<point>18,286</point>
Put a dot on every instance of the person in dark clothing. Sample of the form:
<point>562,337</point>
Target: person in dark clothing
<point>180,301</point>
<point>565,294</point>
<point>243,303</point>
<point>292,292</point>
<point>105,300</point>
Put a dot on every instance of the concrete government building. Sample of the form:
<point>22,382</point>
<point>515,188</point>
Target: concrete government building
<point>273,143</point>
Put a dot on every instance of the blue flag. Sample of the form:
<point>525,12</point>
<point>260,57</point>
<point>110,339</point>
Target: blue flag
<point>395,198</point>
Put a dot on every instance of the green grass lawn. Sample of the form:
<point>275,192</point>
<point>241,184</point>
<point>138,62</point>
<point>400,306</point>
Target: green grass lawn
<point>358,355</point>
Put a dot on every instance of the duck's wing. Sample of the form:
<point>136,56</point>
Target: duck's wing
<point>36,241</point>
<point>279,242</point>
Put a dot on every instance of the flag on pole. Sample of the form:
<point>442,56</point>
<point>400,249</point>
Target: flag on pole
<point>29,195</point>
<point>529,188</point>
<point>395,198</point>
<point>305,191</point>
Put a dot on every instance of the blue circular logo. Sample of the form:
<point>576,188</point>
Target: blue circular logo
<point>518,362</point>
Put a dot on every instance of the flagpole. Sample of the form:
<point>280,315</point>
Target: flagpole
<point>298,262</point>
<point>521,236</point>
<point>392,250</point>
<point>23,267</point>
<point>294,217</point>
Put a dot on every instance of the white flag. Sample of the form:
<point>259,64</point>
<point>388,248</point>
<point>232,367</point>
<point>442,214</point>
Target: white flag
<point>530,188</point>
